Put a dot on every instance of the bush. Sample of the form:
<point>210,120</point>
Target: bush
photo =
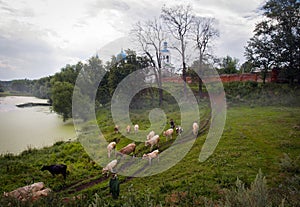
<point>289,165</point>
<point>58,143</point>
<point>256,195</point>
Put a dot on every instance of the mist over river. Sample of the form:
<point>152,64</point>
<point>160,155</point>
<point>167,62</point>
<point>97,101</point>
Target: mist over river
<point>33,127</point>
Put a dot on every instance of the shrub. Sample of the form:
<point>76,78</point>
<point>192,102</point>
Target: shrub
<point>289,165</point>
<point>58,143</point>
<point>256,195</point>
<point>98,202</point>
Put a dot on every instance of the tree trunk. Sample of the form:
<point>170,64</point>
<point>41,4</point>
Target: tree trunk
<point>200,84</point>
<point>160,90</point>
<point>160,96</point>
<point>264,75</point>
<point>184,79</point>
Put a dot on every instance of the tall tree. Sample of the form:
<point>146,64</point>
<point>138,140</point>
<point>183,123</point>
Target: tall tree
<point>261,54</point>
<point>68,74</point>
<point>179,21</point>
<point>87,92</point>
<point>62,98</point>
<point>203,33</point>
<point>279,35</point>
<point>150,37</point>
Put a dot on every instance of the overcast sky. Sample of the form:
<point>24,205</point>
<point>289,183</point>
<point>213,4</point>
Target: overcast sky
<point>39,37</point>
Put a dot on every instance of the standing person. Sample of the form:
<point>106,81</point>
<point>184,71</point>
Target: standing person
<point>114,186</point>
<point>172,124</point>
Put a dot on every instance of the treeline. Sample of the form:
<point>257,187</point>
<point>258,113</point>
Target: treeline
<point>22,86</point>
<point>59,87</point>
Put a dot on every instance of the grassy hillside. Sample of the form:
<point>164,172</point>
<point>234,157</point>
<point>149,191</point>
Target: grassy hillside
<point>255,138</point>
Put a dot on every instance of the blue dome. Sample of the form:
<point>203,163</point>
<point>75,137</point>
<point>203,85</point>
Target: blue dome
<point>121,56</point>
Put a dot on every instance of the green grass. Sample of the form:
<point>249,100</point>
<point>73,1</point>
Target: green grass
<point>262,132</point>
<point>254,138</point>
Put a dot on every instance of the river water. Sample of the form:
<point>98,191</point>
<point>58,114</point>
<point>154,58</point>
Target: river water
<point>34,127</point>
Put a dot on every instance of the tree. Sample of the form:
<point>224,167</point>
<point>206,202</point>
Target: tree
<point>246,67</point>
<point>260,53</point>
<point>228,65</point>
<point>1,88</point>
<point>276,39</point>
<point>92,73</point>
<point>62,98</point>
<point>90,90</point>
<point>42,88</point>
<point>68,74</point>
<point>123,68</point>
<point>150,36</point>
<point>179,21</point>
<point>22,85</point>
<point>203,33</point>
<point>62,88</point>
<point>103,95</point>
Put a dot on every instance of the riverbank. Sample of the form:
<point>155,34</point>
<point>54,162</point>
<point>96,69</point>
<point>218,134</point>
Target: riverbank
<point>14,93</point>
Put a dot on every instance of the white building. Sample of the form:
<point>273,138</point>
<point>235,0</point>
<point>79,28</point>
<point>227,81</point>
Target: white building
<point>167,67</point>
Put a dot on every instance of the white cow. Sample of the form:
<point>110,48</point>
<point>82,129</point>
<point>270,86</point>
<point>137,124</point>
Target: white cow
<point>195,129</point>
<point>110,167</point>
<point>136,128</point>
<point>128,129</point>
<point>151,156</point>
<point>168,133</point>
<point>111,147</point>
<point>153,141</point>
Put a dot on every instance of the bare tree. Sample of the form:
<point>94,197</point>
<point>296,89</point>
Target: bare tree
<point>150,37</point>
<point>203,33</point>
<point>179,21</point>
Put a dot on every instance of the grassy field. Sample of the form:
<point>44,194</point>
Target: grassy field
<point>256,138</point>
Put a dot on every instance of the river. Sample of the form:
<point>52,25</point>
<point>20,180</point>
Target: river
<point>30,127</point>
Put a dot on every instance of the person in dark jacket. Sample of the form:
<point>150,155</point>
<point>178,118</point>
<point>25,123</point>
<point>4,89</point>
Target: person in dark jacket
<point>172,124</point>
<point>114,186</point>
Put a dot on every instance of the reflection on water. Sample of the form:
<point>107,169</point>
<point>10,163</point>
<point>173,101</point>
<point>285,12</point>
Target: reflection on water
<point>37,126</point>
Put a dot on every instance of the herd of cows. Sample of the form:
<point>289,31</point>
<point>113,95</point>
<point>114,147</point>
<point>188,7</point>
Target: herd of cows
<point>152,140</point>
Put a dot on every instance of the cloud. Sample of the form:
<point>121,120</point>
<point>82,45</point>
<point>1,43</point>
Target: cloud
<point>24,52</point>
<point>37,38</point>
<point>27,58</point>
<point>112,4</point>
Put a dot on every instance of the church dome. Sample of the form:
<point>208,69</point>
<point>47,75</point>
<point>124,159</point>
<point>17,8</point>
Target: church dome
<point>121,56</point>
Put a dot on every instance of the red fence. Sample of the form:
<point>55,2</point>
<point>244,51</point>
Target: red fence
<point>224,78</point>
<point>239,77</point>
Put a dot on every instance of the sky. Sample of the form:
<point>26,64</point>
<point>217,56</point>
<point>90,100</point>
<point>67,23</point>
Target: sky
<point>39,37</point>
